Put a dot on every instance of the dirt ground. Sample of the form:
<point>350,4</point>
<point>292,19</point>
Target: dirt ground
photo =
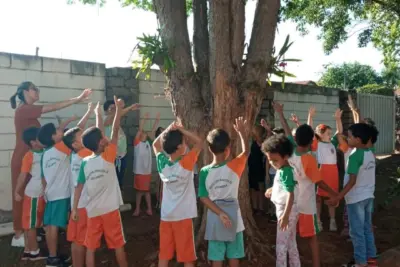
<point>142,233</point>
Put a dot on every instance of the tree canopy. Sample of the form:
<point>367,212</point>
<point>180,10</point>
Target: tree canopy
<point>349,76</point>
<point>380,21</point>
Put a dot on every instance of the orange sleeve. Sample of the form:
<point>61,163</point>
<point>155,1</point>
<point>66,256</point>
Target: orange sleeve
<point>310,167</point>
<point>83,153</point>
<point>238,164</point>
<point>60,146</point>
<point>136,141</point>
<point>314,144</point>
<point>27,162</point>
<point>189,160</point>
<point>343,146</point>
<point>110,153</point>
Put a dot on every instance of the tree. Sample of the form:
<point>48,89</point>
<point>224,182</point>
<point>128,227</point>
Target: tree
<point>379,21</point>
<point>349,76</point>
<point>223,82</point>
<point>376,89</point>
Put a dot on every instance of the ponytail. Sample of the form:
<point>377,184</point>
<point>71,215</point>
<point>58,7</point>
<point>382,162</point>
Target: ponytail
<point>24,86</point>
<point>13,101</point>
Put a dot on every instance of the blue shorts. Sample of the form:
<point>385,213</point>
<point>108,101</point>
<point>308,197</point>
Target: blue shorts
<point>233,250</point>
<point>56,212</point>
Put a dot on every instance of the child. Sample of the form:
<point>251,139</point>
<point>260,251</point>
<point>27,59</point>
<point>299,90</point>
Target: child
<point>178,206</point>
<point>307,175</point>
<point>159,182</point>
<point>359,194</point>
<point>325,151</point>
<point>98,177</point>
<point>278,149</point>
<point>76,232</point>
<point>142,164</point>
<point>218,190</point>
<point>33,201</point>
<point>257,172</point>
<point>55,165</point>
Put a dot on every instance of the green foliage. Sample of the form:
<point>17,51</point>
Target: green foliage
<point>391,77</point>
<point>278,62</point>
<point>152,51</point>
<point>376,89</point>
<point>338,18</point>
<point>349,75</point>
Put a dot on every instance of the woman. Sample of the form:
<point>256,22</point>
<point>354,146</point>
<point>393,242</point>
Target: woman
<point>27,115</point>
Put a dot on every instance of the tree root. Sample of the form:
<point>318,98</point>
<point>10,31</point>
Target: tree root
<point>257,247</point>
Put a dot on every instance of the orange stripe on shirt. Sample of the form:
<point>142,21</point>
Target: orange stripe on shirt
<point>84,152</point>
<point>189,160</point>
<point>27,162</point>
<point>136,141</point>
<point>238,164</point>
<point>310,167</point>
<point>314,144</point>
<point>60,146</point>
<point>110,153</point>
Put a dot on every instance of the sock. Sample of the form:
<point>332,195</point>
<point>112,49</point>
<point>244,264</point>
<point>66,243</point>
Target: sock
<point>34,253</point>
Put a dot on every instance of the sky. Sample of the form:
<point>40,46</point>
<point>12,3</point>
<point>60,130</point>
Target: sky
<point>108,35</point>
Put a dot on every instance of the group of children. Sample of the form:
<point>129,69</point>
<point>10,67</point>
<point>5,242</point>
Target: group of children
<point>76,170</point>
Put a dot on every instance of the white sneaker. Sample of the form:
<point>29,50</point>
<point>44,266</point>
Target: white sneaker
<point>333,226</point>
<point>18,242</point>
<point>320,226</point>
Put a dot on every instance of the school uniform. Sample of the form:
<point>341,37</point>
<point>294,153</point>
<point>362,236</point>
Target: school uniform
<point>142,164</point>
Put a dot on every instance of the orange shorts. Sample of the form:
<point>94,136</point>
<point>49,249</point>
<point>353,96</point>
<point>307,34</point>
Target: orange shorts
<point>307,225</point>
<point>330,176</point>
<point>110,225</point>
<point>32,212</point>
<point>142,182</point>
<point>77,229</point>
<point>177,237</point>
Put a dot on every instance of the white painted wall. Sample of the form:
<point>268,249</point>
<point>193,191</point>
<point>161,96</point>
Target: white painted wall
<point>57,80</point>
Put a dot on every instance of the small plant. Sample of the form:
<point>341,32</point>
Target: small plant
<point>279,62</point>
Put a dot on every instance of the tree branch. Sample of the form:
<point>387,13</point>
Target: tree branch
<point>261,42</point>
<point>237,32</point>
<point>174,32</point>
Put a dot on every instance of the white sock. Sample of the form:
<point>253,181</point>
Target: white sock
<point>35,252</point>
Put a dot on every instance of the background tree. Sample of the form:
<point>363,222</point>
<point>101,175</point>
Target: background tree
<point>349,76</point>
<point>212,81</point>
<point>379,21</point>
<point>376,89</point>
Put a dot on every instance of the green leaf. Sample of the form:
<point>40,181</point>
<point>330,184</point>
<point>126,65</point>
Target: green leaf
<point>291,60</point>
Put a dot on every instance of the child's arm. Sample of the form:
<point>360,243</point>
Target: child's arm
<point>63,124</point>
<point>155,125</point>
<point>214,208</point>
<point>78,192</point>
<point>311,114</point>
<point>193,138</point>
<point>338,119</point>
<point>279,109</point>
<point>99,118</point>
<point>295,119</point>
<point>141,125</point>
<point>240,127</point>
<point>82,123</point>
<point>311,170</point>
<point>117,121</point>
<point>288,184</point>
<point>284,220</point>
<point>21,182</point>
<point>157,142</point>
<point>354,110</point>
<point>267,128</point>
<point>110,118</point>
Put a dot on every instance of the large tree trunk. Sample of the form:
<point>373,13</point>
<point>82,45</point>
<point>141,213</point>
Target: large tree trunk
<point>221,87</point>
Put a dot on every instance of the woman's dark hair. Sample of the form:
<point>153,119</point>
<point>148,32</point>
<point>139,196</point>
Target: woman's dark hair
<point>25,86</point>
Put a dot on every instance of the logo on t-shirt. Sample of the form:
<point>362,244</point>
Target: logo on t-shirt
<point>332,151</point>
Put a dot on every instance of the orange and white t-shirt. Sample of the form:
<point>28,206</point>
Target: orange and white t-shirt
<point>142,157</point>
<point>221,181</point>
<point>306,174</point>
<point>99,176</point>
<point>56,171</point>
<point>76,162</point>
<point>179,196</point>
<point>31,165</point>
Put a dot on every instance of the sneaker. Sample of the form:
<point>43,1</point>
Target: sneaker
<point>18,242</point>
<point>25,256</point>
<point>55,262</point>
<point>320,226</point>
<point>38,256</point>
<point>332,226</point>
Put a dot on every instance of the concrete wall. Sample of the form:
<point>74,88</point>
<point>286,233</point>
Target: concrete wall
<point>57,80</point>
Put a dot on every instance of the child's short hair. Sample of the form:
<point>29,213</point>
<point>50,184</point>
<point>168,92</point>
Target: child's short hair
<point>69,137</point>
<point>304,135</point>
<point>159,131</point>
<point>91,138</point>
<point>107,104</point>
<point>258,131</point>
<point>218,140</point>
<point>278,130</point>
<point>29,135</point>
<point>171,140</point>
<point>278,144</point>
<point>46,133</point>
<point>374,134</point>
<point>362,131</point>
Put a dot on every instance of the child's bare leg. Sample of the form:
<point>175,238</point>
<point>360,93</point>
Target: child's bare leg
<point>26,240</point>
<point>234,263</point>
<point>78,255</point>
<point>217,264</point>
<point>148,203</point>
<point>90,258</point>
<point>121,257</point>
<point>314,246</point>
<point>163,263</point>
<point>32,240</point>
<point>189,264</point>
<point>139,195</point>
<point>319,208</point>
<point>52,240</point>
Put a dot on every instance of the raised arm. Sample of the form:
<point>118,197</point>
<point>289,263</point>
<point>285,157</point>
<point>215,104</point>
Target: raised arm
<point>117,121</point>
<point>311,114</point>
<point>295,119</point>
<point>110,118</point>
<point>266,126</point>
<point>64,104</point>
<point>279,110</point>
<point>354,109</point>
<point>338,119</point>
<point>142,123</point>
<point>192,137</point>
<point>85,118</point>
<point>63,124</point>
<point>155,125</point>
<point>241,127</point>
<point>99,118</point>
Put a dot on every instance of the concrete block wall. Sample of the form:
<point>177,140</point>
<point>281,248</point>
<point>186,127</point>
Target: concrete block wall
<point>57,80</point>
